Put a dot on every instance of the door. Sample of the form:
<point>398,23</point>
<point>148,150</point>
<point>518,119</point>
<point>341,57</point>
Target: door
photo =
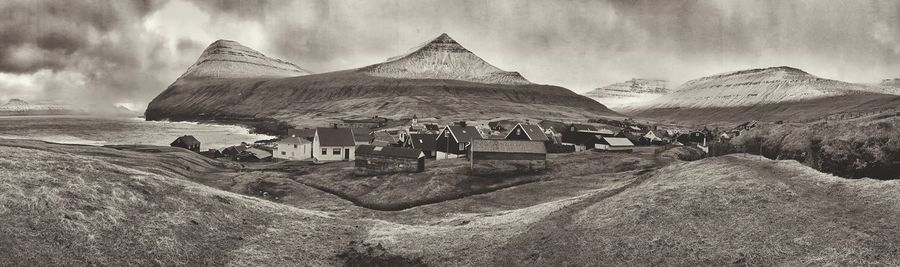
<point>346,154</point>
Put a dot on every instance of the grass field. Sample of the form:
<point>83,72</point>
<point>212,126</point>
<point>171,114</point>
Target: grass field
<point>78,205</point>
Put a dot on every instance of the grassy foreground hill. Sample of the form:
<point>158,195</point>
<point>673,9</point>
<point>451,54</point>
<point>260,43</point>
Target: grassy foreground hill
<point>78,205</point>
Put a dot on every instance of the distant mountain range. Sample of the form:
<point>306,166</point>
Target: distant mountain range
<point>776,93</point>
<point>629,93</point>
<point>440,78</point>
<point>18,107</point>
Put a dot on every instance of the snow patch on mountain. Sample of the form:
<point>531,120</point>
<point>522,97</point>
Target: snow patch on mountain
<point>443,58</point>
<point>629,93</point>
<point>758,86</point>
<point>230,59</point>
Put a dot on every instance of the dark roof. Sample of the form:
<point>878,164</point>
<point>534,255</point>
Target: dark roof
<point>508,146</point>
<point>387,151</point>
<point>335,137</point>
<point>302,133</point>
<point>464,134</point>
<point>293,140</point>
<point>187,140</point>
<point>534,132</point>
<point>423,141</point>
<point>361,135</point>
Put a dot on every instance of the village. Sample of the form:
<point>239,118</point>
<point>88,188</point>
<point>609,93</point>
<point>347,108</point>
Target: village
<point>381,146</point>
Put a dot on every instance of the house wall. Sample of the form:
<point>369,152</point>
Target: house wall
<point>442,142</point>
<point>301,152</point>
<point>366,165</point>
<point>330,155</point>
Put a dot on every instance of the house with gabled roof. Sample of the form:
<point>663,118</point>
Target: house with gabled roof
<point>188,142</point>
<point>333,144</point>
<point>293,148</point>
<point>655,137</point>
<point>582,136</point>
<point>361,136</point>
<point>424,142</point>
<point>527,132</point>
<point>495,156</point>
<point>615,144</point>
<point>453,141</point>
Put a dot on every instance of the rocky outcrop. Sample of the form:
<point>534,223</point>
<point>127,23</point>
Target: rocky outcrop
<point>629,93</point>
<point>440,79</point>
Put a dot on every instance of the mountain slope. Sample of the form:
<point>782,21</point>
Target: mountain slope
<point>438,80</point>
<point>629,93</point>
<point>895,82</point>
<point>777,93</point>
<point>443,58</point>
<point>230,59</point>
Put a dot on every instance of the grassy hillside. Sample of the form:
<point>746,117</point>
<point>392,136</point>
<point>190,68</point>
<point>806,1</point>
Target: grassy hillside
<point>320,98</point>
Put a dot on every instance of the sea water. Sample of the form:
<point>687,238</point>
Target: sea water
<point>88,130</point>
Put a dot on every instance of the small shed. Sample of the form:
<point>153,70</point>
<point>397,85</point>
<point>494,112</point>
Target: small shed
<point>187,142</point>
<point>376,160</point>
<point>500,156</point>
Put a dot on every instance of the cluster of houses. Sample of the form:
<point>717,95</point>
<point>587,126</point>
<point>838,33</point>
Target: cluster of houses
<point>497,146</point>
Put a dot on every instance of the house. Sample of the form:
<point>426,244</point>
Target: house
<point>302,133</point>
<point>500,156</point>
<point>254,154</point>
<point>293,148</point>
<point>527,132</point>
<point>333,144</point>
<point>655,137</point>
<point>234,151</point>
<point>375,160</point>
<point>361,136</point>
<point>582,136</point>
<point>502,125</point>
<point>615,144</point>
<point>187,142</point>
<point>424,142</point>
<point>453,141</point>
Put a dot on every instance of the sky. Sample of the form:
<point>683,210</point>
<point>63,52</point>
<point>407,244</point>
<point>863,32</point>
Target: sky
<point>106,53</point>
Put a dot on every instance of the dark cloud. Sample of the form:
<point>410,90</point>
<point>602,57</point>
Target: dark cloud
<point>90,48</point>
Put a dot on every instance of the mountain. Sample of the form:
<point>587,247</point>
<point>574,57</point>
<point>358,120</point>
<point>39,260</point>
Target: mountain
<point>230,59</point>
<point>629,93</point>
<point>18,107</point>
<point>443,58</point>
<point>776,93</point>
<point>439,79</point>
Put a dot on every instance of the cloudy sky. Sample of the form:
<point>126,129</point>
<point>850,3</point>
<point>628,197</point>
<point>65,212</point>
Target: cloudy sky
<point>109,52</point>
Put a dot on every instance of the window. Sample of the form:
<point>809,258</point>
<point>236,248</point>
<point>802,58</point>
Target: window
<point>336,151</point>
<point>462,146</point>
<point>283,153</point>
<point>324,151</point>
<point>295,146</point>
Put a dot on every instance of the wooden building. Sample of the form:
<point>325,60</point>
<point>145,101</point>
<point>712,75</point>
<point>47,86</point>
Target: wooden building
<point>500,156</point>
<point>187,142</point>
<point>527,132</point>
<point>453,141</point>
<point>333,144</point>
<point>615,144</point>
<point>424,142</point>
<point>582,136</point>
<point>655,137</point>
<point>293,148</point>
<point>234,151</point>
<point>377,160</point>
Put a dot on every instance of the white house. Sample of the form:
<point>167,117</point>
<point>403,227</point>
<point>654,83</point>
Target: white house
<point>293,148</point>
<point>333,144</point>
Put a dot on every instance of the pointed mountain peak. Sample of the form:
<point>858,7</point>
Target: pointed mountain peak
<point>230,59</point>
<point>443,58</point>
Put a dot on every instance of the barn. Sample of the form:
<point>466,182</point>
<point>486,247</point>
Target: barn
<point>500,156</point>
<point>376,160</point>
<point>615,144</point>
<point>187,142</point>
<point>453,141</point>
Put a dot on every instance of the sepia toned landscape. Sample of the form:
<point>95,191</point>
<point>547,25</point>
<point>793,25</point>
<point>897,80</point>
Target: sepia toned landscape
<point>457,133</point>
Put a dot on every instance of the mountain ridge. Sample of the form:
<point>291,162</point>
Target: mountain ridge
<point>227,58</point>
